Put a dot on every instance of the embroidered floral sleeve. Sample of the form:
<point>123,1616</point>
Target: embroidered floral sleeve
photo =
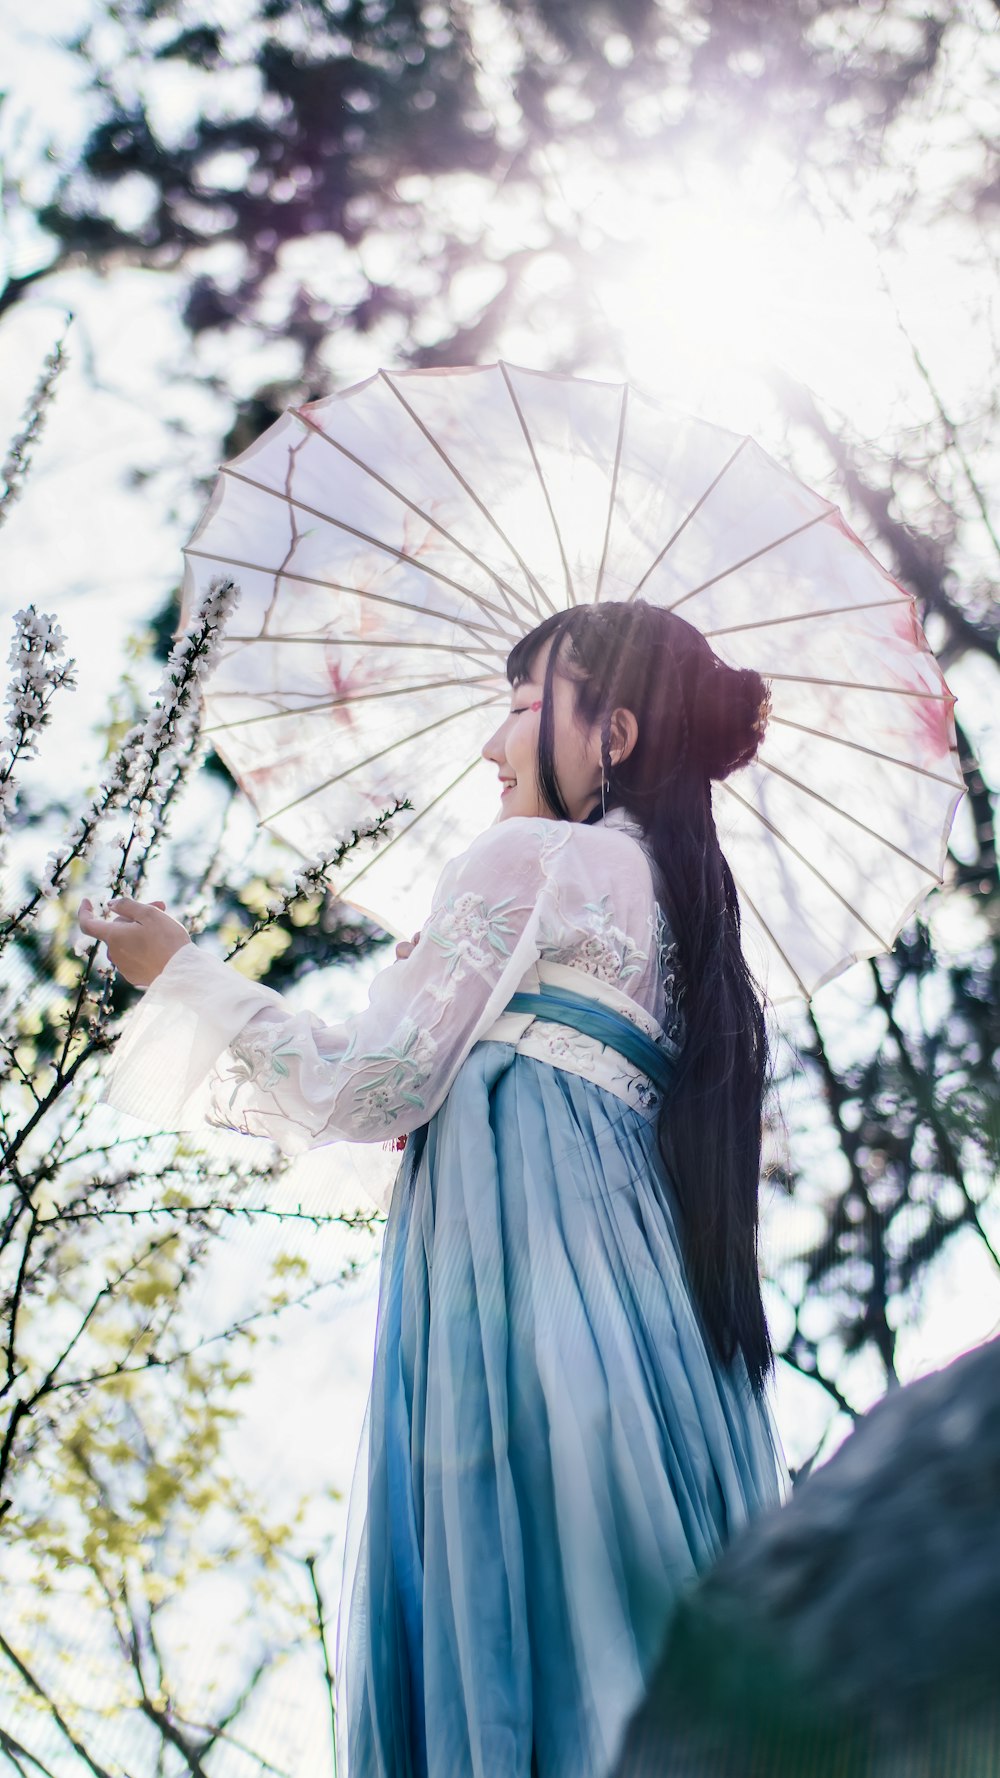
<point>206,1045</point>
<point>597,944</point>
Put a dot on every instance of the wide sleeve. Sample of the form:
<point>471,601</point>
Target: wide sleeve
<point>206,1046</point>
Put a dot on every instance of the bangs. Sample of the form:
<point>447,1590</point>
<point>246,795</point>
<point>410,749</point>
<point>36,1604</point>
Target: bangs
<point>522,656</point>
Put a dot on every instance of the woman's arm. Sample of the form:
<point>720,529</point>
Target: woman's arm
<point>207,1045</point>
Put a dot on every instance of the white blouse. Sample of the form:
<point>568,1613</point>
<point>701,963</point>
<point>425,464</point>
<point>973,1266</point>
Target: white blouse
<point>530,901</point>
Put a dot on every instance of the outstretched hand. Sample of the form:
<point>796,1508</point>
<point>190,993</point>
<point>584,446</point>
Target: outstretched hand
<point>141,937</point>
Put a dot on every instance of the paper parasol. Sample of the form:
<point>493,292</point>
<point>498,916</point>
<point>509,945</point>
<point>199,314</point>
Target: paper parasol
<point>394,540</point>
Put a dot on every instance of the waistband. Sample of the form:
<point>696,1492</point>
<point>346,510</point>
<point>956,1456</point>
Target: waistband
<point>576,1022</point>
<point>564,1006</point>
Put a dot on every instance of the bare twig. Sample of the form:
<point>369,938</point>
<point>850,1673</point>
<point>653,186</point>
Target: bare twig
<point>52,1707</point>
<point>310,1563</point>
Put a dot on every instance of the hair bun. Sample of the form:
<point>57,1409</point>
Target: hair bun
<point>732,706</point>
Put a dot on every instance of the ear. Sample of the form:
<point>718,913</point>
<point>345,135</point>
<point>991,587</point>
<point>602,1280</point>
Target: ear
<point>624,735</point>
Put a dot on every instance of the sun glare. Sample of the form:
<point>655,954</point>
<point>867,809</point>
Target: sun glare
<point>709,287</point>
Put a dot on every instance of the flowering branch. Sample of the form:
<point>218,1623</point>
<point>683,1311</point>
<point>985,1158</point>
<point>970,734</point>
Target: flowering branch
<point>153,760</point>
<point>18,459</point>
<point>318,1219</point>
<point>38,672</point>
<point>311,879</point>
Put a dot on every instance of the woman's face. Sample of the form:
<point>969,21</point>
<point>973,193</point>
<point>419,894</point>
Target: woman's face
<point>514,748</point>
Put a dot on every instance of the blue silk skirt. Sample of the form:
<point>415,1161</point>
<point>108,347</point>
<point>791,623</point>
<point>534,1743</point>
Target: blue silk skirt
<point>551,1453</point>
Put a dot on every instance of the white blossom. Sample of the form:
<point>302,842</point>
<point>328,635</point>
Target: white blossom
<point>168,741</point>
<point>38,670</point>
<point>151,762</point>
<point>18,459</point>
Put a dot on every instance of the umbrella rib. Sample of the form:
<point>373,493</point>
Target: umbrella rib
<point>335,586</point>
<point>898,691</point>
<point>388,549</point>
<point>782,953</point>
<point>294,539</point>
<point>365,697</point>
<point>801,617</point>
<point>688,516</point>
<point>614,491</point>
<point>498,580</point>
<point>505,373</point>
<point>765,550</point>
<point>482,659</point>
<point>338,777</point>
<point>470,652</point>
<point>873,752</point>
<point>378,856</point>
<point>847,816</point>
<point>528,573</point>
<point>817,873</point>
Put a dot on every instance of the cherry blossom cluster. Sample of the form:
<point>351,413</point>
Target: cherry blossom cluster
<point>18,459</point>
<point>38,671</point>
<point>157,756</point>
<point>152,762</point>
<point>313,879</point>
<point>163,748</point>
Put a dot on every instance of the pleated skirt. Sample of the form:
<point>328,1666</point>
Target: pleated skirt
<point>551,1452</point>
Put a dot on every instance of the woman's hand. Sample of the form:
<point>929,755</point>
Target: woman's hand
<point>406,945</point>
<point>141,937</point>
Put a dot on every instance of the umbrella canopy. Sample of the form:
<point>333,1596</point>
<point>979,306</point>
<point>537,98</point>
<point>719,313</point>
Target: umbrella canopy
<point>393,541</point>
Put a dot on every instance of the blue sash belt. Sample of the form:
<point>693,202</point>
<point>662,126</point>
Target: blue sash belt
<point>582,1013</point>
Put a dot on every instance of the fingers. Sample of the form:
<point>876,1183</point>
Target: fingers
<point>93,925</point>
<point>140,937</point>
<point>127,909</point>
<point>126,912</point>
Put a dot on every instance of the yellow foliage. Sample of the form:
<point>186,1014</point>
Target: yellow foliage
<point>290,1263</point>
<point>163,1487</point>
<point>256,958</point>
<point>152,1286</point>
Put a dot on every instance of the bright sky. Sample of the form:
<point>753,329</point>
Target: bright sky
<point>706,289</point>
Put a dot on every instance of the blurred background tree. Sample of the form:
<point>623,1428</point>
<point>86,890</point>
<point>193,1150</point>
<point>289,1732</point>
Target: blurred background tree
<point>404,171</point>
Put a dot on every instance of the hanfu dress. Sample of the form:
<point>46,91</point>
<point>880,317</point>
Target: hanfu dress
<point>552,1451</point>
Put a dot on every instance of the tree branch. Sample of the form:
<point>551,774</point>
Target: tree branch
<point>924,1100</point>
<point>310,1563</point>
<point>16,1752</point>
<point>914,562</point>
<point>33,1685</point>
<point>835,1094</point>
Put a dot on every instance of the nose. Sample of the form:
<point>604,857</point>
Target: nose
<point>493,748</point>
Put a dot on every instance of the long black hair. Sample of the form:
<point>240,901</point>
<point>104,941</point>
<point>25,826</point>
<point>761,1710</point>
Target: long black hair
<point>698,719</point>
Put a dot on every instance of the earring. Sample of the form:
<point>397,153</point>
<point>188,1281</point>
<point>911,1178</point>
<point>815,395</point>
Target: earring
<point>605,787</point>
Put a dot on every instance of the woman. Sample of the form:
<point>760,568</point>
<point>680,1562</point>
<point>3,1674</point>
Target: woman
<point>568,1416</point>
